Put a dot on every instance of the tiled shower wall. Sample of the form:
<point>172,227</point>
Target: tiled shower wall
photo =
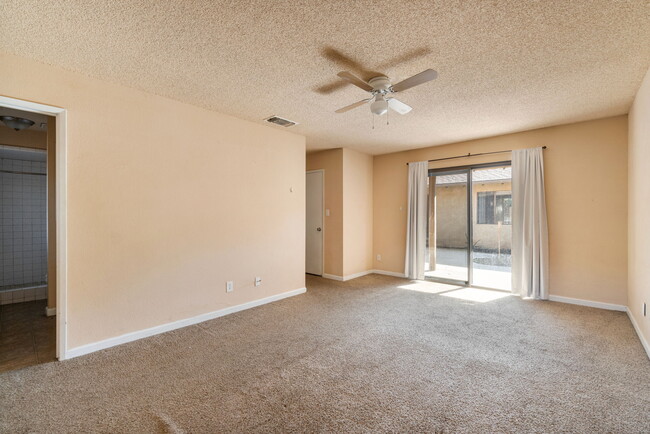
<point>23,230</point>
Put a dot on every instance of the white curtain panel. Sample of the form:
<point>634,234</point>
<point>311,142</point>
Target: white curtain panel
<point>416,226</point>
<point>529,225</point>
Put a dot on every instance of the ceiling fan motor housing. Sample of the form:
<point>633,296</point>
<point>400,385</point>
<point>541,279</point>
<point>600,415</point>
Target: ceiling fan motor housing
<point>380,84</point>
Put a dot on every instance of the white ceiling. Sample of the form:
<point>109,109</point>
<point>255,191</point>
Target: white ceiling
<point>504,65</point>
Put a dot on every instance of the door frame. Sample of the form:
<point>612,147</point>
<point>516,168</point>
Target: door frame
<point>322,256</point>
<point>60,114</point>
<point>470,215</point>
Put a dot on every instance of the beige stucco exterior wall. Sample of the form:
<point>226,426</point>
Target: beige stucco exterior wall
<point>488,236</point>
<point>165,203</point>
<point>639,209</point>
<point>357,212</point>
<point>451,215</point>
<point>331,162</point>
<point>586,188</point>
<point>451,210</point>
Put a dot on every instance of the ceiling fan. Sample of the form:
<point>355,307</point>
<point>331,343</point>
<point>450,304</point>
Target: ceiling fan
<point>381,91</point>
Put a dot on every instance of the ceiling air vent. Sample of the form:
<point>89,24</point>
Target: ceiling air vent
<point>281,121</point>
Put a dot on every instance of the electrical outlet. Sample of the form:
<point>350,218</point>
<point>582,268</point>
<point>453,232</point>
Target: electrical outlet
<point>230,285</point>
<point>379,258</point>
<point>258,281</point>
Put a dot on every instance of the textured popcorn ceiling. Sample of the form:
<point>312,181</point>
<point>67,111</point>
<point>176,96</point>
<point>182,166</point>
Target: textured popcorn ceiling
<point>504,66</point>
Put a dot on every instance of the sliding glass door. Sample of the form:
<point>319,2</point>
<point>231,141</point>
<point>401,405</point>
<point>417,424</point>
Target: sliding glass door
<point>447,255</point>
<point>469,227</point>
<point>491,227</point>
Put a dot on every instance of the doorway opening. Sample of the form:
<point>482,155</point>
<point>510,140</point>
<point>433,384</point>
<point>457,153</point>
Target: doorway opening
<point>32,217</point>
<point>27,333</point>
<point>469,225</point>
<point>314,240</point>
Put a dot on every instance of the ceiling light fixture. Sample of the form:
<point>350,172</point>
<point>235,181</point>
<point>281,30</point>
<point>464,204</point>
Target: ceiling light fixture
<point>379,106</point>
<point>16,123</point>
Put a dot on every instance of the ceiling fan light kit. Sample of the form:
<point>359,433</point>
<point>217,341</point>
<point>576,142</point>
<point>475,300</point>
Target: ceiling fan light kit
<point>379,106</point>
<point>381,91</point>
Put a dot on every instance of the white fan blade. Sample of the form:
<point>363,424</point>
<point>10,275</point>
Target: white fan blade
<point>399,106</point>
<point>417,79</point>
<point>345,75</point>
<point>351,106</point>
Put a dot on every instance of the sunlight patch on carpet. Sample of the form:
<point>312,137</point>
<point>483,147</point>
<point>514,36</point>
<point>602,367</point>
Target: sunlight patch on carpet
<point>429,287</point>
<point>476,295</point>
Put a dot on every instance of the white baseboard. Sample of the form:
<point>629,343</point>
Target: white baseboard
<point>637,329</point>
<point>133,336</point>
<point>332,277</point>
<point>363,273</point>
<point>355,275</point>
<point>346,278</point>
<point>388,273</point>
<point>597,304</point>
<point>50,311</point>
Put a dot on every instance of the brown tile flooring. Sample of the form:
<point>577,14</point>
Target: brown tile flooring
<point>27,336</point>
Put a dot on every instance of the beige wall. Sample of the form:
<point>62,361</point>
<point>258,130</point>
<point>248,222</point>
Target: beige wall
<point>639,208</point>
<point>166,202</point>
<point>586,187</point>
<point>331,162</point>
<point>357,212</point>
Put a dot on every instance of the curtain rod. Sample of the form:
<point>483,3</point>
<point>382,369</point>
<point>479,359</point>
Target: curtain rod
<point>471,155</point>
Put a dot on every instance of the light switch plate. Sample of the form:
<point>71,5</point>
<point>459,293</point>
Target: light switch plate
<point>230,285</point>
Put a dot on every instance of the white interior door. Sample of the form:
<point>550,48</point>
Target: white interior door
<point>314,227</point>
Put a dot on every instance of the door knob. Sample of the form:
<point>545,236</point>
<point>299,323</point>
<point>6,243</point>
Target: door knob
<point>318,229</point>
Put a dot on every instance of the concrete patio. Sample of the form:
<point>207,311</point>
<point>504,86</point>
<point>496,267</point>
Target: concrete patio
<point>452,264</point>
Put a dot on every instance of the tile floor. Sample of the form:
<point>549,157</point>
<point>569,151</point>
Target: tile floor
<point>27,336</point>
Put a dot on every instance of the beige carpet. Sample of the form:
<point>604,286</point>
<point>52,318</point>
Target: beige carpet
<point>369,355</point>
